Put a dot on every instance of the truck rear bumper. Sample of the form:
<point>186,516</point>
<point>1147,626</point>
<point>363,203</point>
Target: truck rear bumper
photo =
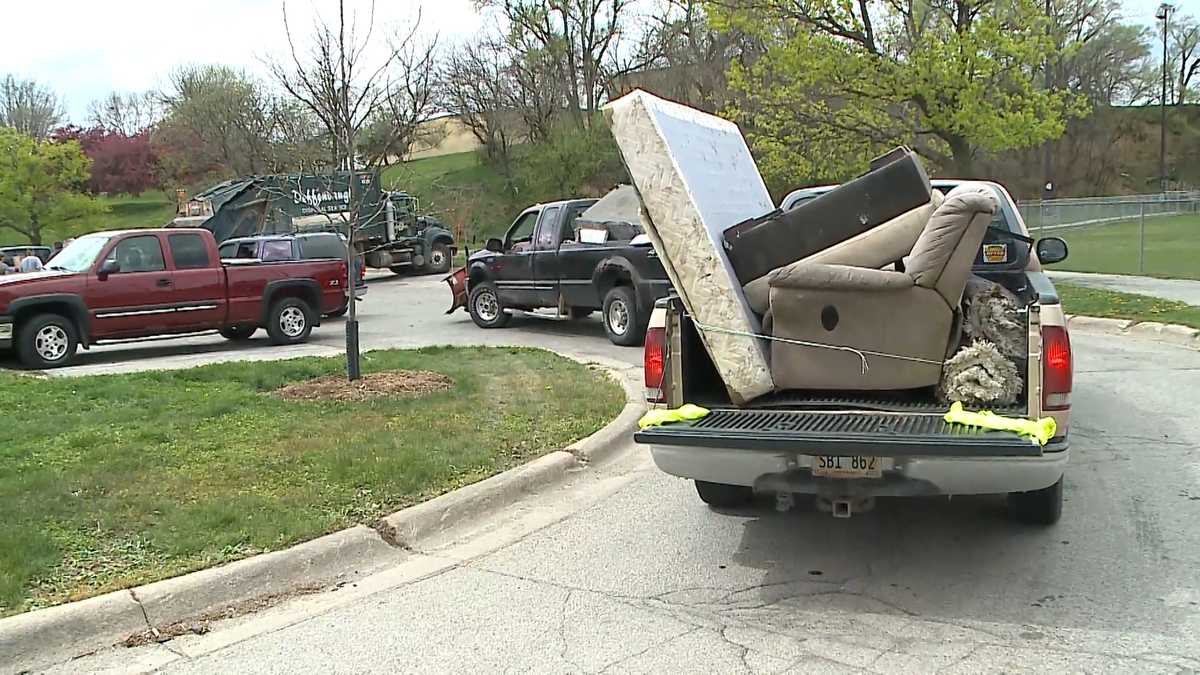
<point>768,471</point>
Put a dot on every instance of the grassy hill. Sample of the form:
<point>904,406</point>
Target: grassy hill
<point>460,190</point>
<point>150,209</point>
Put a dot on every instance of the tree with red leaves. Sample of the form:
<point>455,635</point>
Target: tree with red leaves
<point>120,163</point>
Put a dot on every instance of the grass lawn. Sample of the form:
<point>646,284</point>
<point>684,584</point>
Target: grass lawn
<point>1172,247</point>
<point>1115,305</point>
<point>112,481</point>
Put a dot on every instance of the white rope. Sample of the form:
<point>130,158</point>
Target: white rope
<point>862,354</point>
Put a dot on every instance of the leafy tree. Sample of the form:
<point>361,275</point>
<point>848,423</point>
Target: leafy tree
<point>843,80</point>
<point>40,184</point>
<point>120,163</point>
<point>573,161</point>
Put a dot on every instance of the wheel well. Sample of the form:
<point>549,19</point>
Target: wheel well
<point>611,276</point>
<point>60,308</point>
<point>476,276</point>
<point>305,293</point>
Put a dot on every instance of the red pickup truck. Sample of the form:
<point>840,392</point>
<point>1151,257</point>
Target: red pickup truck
<point>141,283</point>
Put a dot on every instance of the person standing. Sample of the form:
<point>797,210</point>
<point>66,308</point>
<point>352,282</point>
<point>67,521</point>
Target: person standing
<point>31,263</point>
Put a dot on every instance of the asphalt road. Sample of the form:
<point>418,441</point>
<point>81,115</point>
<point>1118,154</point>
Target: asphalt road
<point>625,570</point>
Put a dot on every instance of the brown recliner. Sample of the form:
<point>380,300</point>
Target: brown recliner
<point>879,246</point>
<point>908,315</point>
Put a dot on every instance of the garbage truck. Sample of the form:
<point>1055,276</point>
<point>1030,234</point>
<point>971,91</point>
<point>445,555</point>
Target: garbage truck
<point>389,230</point>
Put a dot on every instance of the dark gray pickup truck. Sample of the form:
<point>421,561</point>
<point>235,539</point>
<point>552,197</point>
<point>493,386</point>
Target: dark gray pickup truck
<point>551,258</point>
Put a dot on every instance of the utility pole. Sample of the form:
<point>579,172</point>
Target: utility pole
<point>1164,15</point>
<point>1048,148</point>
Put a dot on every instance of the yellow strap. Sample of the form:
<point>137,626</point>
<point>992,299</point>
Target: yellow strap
<point>1039,432</point>
<point>662,416</point>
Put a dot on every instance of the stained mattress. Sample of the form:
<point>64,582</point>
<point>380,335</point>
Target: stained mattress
<point>695,177</point>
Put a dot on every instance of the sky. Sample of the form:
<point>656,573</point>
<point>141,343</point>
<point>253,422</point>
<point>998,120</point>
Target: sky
<point>84,52</point>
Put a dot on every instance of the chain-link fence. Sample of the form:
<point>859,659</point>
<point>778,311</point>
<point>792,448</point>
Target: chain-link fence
<point>1156,235</point>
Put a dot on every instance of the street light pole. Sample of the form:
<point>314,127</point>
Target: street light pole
<point>1164,14</point>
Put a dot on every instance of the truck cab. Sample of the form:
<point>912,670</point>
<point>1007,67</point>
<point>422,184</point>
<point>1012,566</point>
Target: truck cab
<point>547,259</point>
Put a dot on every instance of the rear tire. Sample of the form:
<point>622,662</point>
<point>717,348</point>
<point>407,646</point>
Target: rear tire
<point>1037,507</point>
<point>238,333</point>
<point>623,321</point>
<point>439,259</point>
<point>46,341</point>
<point>485,308</point>
<point>719,494</point>
<point>290,321</point>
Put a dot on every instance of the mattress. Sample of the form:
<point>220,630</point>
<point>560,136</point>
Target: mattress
<point>895,185</point>
<point>695,178</point>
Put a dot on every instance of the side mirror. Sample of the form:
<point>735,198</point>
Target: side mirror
<point>1051,250</point>
<point>108,267</point>
<point>494,245</point>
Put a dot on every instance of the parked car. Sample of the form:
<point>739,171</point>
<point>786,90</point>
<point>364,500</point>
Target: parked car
<point>159,282</point>
<point>545,260</point>
<point>302,246</point>
<point>848,447</point>
<point>11,253</point>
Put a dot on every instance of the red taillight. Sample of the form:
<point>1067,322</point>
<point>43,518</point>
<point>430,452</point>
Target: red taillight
<point>1057,370</point>
<point>653,362</point>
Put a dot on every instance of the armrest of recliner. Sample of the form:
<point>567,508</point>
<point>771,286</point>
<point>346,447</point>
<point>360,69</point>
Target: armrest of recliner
<point>818,277</point>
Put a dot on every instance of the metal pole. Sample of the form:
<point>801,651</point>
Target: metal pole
<point>353,371</point>
<point>1165,10</point>
<point>1142,240</point>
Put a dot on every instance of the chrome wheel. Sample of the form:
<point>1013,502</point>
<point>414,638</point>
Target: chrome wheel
<point>486,306</point>
<point>292,321</point>
<point>437,258</point>
<point>51,343</point>
<point>618,317</point>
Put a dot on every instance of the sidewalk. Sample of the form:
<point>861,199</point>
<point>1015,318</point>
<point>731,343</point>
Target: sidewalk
<point>1182,290</point>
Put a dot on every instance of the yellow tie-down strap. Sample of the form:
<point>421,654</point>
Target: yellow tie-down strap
<point>661,416</point>
<point>1039,432</point>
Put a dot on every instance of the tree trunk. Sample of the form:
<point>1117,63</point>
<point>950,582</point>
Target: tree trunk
<point>35,231</point>
<point>964,156</point>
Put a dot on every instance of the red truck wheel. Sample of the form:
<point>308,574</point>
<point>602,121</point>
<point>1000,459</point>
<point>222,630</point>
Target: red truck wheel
<point>290,321</point>
<point>47,341</point>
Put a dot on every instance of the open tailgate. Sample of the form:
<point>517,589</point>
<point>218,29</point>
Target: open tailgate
<point>840,433</point>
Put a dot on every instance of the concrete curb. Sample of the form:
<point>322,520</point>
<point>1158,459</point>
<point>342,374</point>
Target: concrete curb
<point>1173,333</point>
<point>41,638</point>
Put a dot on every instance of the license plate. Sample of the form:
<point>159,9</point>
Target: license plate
<point>852,466</point>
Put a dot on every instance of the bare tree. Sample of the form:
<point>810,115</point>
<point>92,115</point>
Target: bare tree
<point>130,113</point>
<point>479,87</point>
<point>1185,35</point>
<point>578,40</point>
<point>334,80</point>
<point>30,108</point>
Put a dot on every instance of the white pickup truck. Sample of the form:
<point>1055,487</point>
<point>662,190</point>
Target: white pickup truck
<point>848,449</point>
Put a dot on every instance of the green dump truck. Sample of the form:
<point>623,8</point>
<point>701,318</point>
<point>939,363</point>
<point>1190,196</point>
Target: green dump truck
<point>389,231</point>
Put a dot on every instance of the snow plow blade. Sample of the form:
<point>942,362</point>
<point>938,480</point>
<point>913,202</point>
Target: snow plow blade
<point>458,289</point>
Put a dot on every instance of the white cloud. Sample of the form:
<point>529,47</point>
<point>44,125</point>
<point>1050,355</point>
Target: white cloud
<point>84,49</point>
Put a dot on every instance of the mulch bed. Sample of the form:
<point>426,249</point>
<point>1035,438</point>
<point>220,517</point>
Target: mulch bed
<point>392,383</point>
